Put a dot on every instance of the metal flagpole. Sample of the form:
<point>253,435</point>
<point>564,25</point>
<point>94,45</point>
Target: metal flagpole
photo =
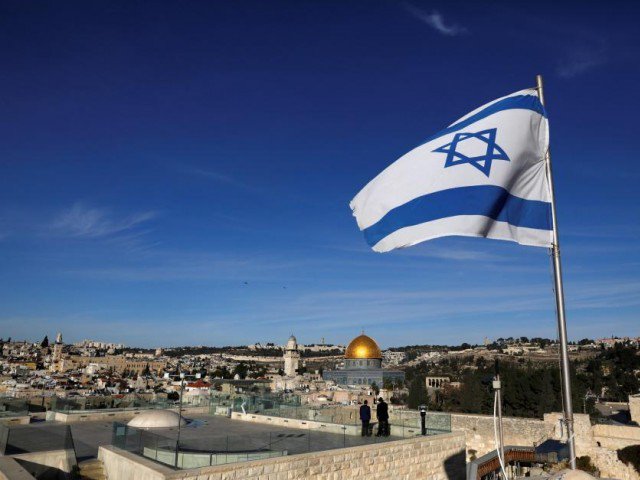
<point>562,323</point>
<point>497,385</point>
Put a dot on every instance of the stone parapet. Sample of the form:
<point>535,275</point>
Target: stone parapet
<point>615,437</point>
<point>479,430</point>
<point>440,457</point>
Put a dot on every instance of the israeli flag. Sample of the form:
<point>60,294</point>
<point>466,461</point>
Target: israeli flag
<point>483,176</point>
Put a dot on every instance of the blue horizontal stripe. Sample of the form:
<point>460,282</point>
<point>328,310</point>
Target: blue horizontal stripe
<point>522,102</point>
<point>486,200</point>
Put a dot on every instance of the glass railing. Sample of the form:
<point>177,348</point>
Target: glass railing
<point>113,404</point>
<point>407,420</point>
<point>35,438</point>
<point>13,407</point>
<point>221,449</point>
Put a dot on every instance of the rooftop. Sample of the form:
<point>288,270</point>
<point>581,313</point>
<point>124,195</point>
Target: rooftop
<point>206,432</point>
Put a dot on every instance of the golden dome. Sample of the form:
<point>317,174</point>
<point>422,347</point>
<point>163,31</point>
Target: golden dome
<point>363,347</point>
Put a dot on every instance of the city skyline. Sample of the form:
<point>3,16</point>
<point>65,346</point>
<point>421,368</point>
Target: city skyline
<point>176,177</point>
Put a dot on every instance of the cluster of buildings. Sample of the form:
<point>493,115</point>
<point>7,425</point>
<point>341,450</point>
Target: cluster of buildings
<point>105,379</point>
<point>319,372</point>
<point>613,341</point>
<point>92,368</point>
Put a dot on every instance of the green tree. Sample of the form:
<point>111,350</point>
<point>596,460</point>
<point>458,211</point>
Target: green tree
<point>471,394</point>
<point>241,370</point>
<point>417,393</point>
<point>375,388</point>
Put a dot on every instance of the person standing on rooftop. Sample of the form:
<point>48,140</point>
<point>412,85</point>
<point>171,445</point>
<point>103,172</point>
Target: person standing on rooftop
<point>365,417</point>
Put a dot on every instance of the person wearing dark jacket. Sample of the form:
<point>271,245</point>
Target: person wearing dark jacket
<point>382,412</point>
<point>365,417</point>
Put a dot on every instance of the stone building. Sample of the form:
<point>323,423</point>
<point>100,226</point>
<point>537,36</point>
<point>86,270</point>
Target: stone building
<point>117,363</point>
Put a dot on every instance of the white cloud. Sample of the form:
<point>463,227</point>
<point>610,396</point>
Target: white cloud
<point>436,21</point>
<point>578,60</point>
<point>215,176</point>
<point>83,221</point>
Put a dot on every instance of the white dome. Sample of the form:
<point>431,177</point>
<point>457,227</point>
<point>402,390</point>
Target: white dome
<point>157,419</point>
<point>292,343</point>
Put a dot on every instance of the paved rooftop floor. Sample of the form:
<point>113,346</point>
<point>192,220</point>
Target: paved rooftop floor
<point>220,434</point>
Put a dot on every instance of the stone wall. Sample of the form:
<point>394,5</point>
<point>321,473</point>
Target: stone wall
<point>48,464</point>
<point>634,408</point>
<point>605,458</point>
<point>599,442</point>
<point>615,437</point>
<point>20,420</point>
<point>479,430</point>
<point>10,469</point>
<point>440,457</point>
<point>122,465</point>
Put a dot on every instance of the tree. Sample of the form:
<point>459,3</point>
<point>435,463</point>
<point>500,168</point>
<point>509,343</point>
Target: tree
<point>173,396</point>
<point>241,370</point>
<point>631,456</point>
<point>45,342</point>
<point>375,388</point>
<point>221,372</point>
<point>471,394</point>
<point>417,393</point>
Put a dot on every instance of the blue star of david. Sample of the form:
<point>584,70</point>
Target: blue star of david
<point>481,162</point>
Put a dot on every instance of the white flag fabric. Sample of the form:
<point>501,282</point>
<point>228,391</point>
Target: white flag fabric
<point>483,176</point>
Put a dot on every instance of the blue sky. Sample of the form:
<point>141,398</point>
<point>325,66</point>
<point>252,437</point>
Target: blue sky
<point>179,173</point>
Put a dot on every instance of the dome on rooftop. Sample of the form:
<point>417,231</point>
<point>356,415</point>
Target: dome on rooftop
<point>157,419</point>
<point>363,347</point>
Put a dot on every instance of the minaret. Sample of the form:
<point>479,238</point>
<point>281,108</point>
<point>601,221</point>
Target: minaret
<point>291,357</point>
<point>56,363</point>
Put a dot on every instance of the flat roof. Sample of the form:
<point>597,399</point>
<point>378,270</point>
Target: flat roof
<point>217,434</point>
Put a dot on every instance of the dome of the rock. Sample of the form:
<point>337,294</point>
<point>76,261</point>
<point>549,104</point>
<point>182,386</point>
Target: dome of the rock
<point>363,347</point>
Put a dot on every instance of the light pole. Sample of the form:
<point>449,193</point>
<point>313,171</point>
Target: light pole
<point>179,417</point>
<point>423,419</point>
